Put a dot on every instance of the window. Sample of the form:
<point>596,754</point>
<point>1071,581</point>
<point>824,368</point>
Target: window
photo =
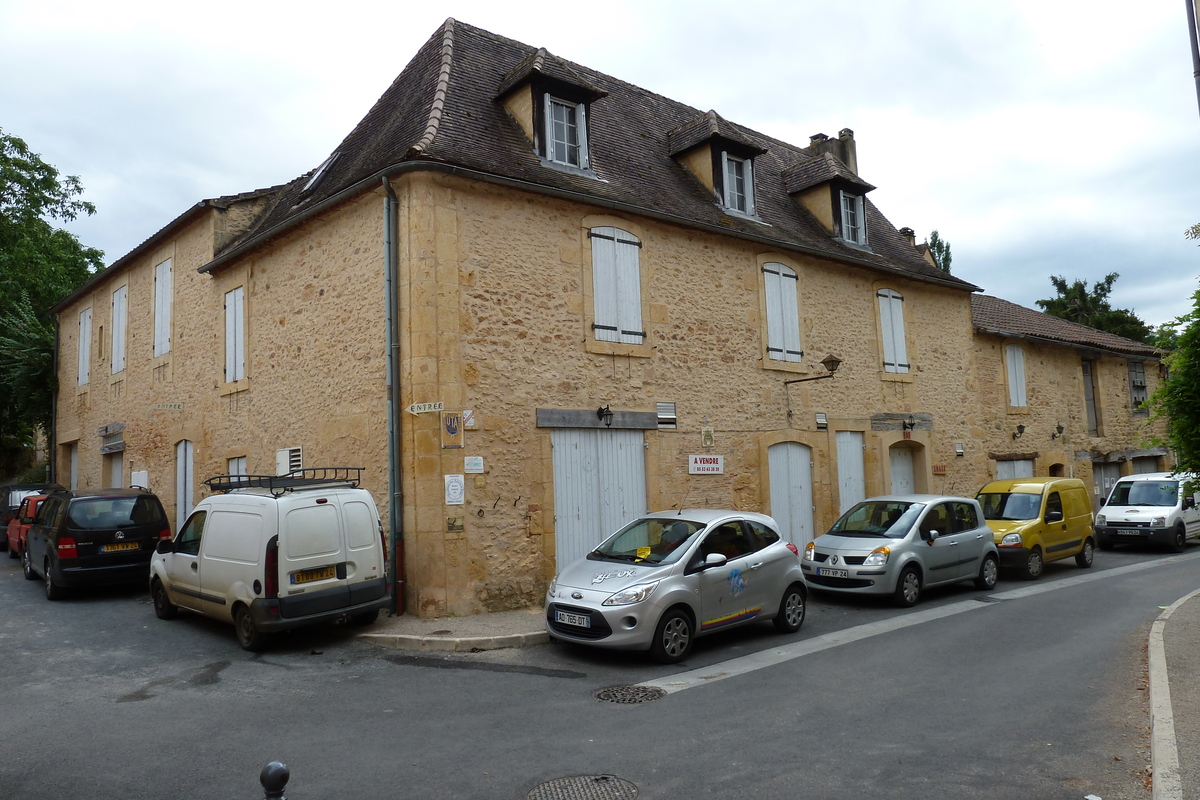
<point>162,308</point>
<point>235,327</point>
<point>963,517</point>
<point>236,466</point>
<point>1014,358</point>
<point>738,183</point>
<point>891,329</point>
<point>1053,505</point>
<point>119,298</point>
<point>1138,394</point>
<point>188,542</point>
<point>1089,399</point>
<point>616,286</point>
<point>85,346</point>
<point>566,132</point>
<point>783,315</point>
<point>854,228</point>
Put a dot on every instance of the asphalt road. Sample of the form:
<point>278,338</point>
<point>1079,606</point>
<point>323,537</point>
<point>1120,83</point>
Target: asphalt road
<point>1036,690</point>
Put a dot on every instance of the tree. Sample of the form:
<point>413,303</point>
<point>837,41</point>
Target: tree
<point>39,265</point>
<point>939,248</point>
<point>1077,304</point>
<point>1177,398</point>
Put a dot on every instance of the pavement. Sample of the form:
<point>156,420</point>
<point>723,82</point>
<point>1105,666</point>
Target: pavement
<point>1173,673</point>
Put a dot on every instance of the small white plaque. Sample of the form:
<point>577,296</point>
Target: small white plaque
<point>456,490</point>
<point>706,465</point>
<point>473,464</point>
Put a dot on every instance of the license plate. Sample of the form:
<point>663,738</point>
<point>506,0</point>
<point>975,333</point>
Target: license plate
<point>310,575</point>
<point>833,573</point>
<point>118,547</point>
<point>1128,532</point>
<point>581,620</point>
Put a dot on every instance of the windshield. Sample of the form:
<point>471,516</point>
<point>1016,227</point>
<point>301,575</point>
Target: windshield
<point>649,541</point>
<point>890,518</point>
<point>1144,493</point>
<point>1013,506</point>
<point>115,512</point>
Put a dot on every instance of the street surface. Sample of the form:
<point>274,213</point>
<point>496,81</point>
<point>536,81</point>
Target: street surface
<point>1035,690</point>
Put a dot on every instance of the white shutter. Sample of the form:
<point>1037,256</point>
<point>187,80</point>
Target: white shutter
<point>783,314</point>
<point>118,329</point>
<point>581,118</point>
<point>891,328</point>
<point>604,284</point>
<point>85,346</point>
<point>790,467</point>
<point>184,480</point>
<point>1015,358</point>
<point>629,288</point>
<point>851,471</point>
<point>235,357</point>
<point>749,169</point>
<point>162,308</point>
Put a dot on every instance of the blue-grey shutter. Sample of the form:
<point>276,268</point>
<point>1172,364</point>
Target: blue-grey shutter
<point>891,328</point>
<point>235,359</point>
<point>85,346</point>
<point>162,308</point>
<point>783,314</point>
<point>616,286</point>
<point>119,298</point>
<point>1015,358</point>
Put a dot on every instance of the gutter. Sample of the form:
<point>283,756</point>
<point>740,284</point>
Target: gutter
<point>391,282</point>
<point>52,438</point>
<point>563,194</point>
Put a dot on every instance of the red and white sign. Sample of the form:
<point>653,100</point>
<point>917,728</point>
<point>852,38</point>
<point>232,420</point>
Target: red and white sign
<point>706,465</point>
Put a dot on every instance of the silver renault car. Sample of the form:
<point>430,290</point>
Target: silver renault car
<point>902,544</point>
<point>669,577</point>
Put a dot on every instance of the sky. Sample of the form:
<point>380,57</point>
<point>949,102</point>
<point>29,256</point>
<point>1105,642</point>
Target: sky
<point>1038,137</point>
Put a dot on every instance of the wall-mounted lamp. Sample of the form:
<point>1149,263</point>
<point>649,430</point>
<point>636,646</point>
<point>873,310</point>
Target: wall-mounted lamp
<point>829,362</point>
<point>605,414</point>
<point>1020,432</point>
<point>1058,431</point>
<point>908,424</point>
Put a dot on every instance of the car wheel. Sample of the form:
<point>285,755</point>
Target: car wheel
<point>26,567</point>
<point>248,635</point>
<point>989,570</point>
<point>365,618</point>
<point>908,587</point>
<point>791,610</point>
<point>672,638</point>
<point>1033,565</point>
<point>1179,539</point>
<point>1105,544</point>
<point>163,607</point>
<point>1084,557</point>
<point>53,590</point>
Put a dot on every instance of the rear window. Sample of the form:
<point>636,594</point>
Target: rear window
<point>103,513</point>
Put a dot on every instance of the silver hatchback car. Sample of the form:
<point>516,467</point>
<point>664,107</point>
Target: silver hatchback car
<point>667,578</point>
<point>902,544</point>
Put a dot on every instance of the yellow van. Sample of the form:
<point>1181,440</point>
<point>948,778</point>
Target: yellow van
<point>1035,520</point>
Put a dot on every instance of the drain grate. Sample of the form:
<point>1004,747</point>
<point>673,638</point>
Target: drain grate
<point>629,694</point>
<point>584,787</point>
<point>988,600</point>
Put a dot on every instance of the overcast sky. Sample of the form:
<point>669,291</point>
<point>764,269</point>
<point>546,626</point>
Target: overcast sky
<point>1039,137</point>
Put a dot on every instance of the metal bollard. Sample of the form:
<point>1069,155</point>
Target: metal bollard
<point>274,777</point>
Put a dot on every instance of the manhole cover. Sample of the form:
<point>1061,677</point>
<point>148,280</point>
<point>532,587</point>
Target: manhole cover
<point>584,787</point>
<point>629,694</point>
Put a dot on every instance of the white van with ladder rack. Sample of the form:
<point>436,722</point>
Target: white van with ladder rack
<point>269,553</point>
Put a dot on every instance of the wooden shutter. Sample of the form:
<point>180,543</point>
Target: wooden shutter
<point>1015,358</point>
<point>783,313</point>
<point>581,133</point>
<point>235,358</point>
<point>85,346</point>
<point>162,308</point>
<point>616,286</point>
<point>891,328</point>
<point>118,329</point>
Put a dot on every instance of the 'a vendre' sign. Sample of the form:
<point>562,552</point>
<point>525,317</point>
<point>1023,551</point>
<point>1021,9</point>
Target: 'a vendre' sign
<point>706,465</point>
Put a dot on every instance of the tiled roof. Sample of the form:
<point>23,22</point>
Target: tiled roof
<point>543,62</point>
<point>443,108</point>
<point>993,315</point>
<point>823,168</point>
<point>703,128</point>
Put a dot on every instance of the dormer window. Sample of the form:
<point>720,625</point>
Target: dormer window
<point>566,132</point>
<point>739,183</point>
<point>854,229</point>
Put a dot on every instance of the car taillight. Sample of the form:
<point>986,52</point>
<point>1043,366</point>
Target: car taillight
<point>793,548</point>
<point>66,548</point>
<point>165,533</point>
<point>273,569</point>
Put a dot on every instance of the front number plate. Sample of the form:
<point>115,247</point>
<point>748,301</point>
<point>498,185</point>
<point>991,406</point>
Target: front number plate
<point>1128,532</point>
<point>118,547</point>
<point>833,573</point>
<point>581,620</point>
<point>309,575</point>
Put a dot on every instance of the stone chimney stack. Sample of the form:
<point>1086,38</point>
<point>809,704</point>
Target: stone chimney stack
<point>842,148</point>
<point>910,235</point>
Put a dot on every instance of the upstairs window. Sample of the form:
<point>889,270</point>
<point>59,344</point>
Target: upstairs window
<point>566,132</point>
<point>1138,394</point>
<point>738,188</point>
<point>891,329</point>
<point>783,314</point>
<point>85,346</point>
<point>119,300</point>
<point>162,309</point>
<point>1014,358</point>
<point>616,286</point>
<point>854,227</point>
<point>235,334</point>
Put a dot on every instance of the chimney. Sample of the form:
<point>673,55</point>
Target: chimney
<point>910,235</point>
<point>842,148</point>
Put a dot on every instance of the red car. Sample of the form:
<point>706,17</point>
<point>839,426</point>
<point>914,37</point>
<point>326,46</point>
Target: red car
<point>18,529</point>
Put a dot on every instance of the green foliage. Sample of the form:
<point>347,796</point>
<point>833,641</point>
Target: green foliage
<point>1077,304</point>
<point>1177,398</point>
<point>39,265</point>
<point>939,248</point>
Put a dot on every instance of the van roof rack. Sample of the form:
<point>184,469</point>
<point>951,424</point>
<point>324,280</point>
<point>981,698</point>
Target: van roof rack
<point>310,477</point>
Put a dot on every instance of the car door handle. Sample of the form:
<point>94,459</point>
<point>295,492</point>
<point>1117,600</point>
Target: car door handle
<point>756,566</point>
<point>193,566</point>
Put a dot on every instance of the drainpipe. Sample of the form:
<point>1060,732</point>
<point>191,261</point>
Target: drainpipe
<point>52,434</point>
<point>391,282</point>
<point>1191,12</point>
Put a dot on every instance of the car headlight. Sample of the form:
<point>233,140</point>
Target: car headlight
<point>810,550</point>
<point>1159,522</point>
<point>1011,540</point>
<point>634,594</point>
<point>878,557</point>
<point>1101,521</point>
<point>553,586</point>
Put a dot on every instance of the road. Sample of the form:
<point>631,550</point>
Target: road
<point>1035,690</point>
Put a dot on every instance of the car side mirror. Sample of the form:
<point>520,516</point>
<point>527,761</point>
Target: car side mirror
<point>1054,516</point>
<point>1103,501</point>
<point>26,520</point>
<point>714,560</point>
<point>1189,502</point>
<point>164,546</point>
<point>929,536</point>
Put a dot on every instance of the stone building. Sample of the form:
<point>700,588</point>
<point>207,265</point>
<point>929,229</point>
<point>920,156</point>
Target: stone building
<point>532,301</point>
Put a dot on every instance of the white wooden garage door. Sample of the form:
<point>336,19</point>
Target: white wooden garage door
<point>599,485</point>
<point>790,465</point>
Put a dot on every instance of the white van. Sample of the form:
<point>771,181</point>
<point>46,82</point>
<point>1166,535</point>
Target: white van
<point>1150,507</point>
<point>270,553</point>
